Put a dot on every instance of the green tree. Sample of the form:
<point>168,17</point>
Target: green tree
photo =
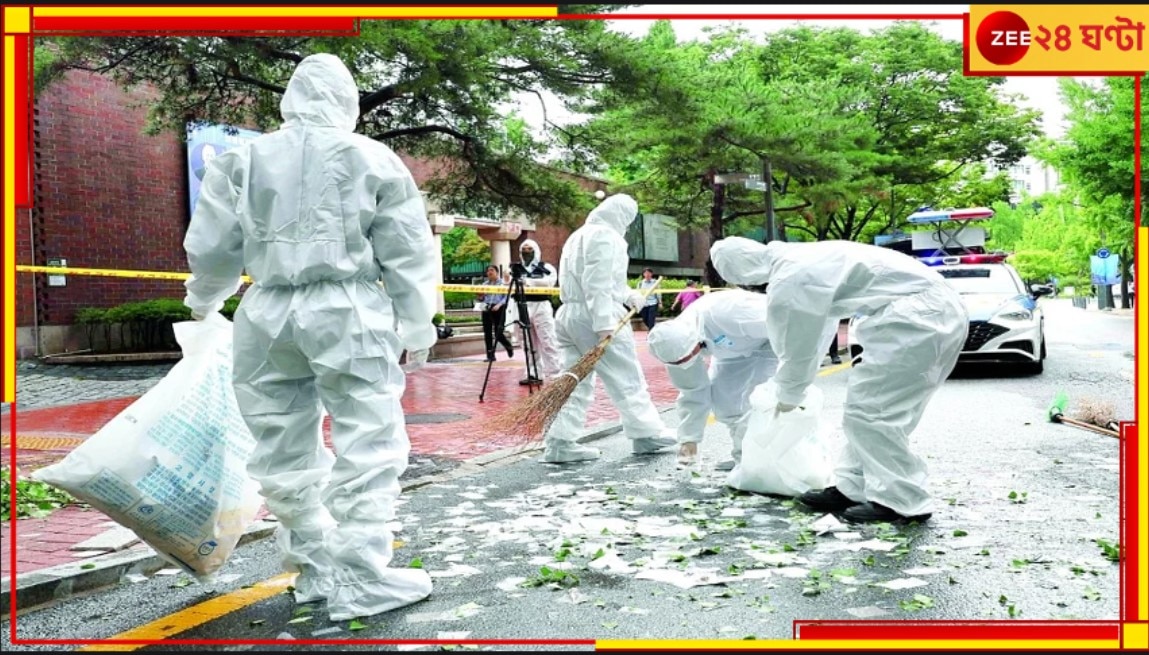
<point>1095,159</point>
<point>463,245</point>
<point>861,128</point>
<point>430,88</point>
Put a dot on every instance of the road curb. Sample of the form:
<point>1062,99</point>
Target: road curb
<point>88,574</point>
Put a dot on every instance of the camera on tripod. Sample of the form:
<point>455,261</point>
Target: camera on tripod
<point>518,270</point>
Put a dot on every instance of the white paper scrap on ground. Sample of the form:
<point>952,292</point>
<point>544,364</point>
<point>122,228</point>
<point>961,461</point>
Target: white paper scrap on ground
<point>870,612</point>
<point>456,571</point>
<point>901,583</point>
<point>685,579</point>
<point>828,523</point>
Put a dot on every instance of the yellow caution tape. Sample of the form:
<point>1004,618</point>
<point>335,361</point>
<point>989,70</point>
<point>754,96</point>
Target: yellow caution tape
<point>161,275</point>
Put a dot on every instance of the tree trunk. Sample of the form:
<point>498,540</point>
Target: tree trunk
<point>1126,275</point>
<point>717,230</point>
<point>768,180</point>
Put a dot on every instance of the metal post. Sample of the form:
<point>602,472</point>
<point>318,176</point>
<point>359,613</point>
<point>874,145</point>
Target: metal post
<point>768,180</point>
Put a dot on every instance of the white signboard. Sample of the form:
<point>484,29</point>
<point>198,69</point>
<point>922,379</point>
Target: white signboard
<point>969,237</point>
<point>660,238</point>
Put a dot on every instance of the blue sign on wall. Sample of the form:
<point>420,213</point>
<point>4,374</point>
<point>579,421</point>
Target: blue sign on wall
<point>205,142</point>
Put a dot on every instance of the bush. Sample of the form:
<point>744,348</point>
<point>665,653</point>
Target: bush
<point>142,325</point>
<point>33,499</point>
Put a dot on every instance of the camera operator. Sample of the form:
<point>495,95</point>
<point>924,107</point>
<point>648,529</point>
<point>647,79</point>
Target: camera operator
<point>537,273</point>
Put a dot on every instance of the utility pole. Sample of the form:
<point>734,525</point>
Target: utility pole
<point>768,180</point>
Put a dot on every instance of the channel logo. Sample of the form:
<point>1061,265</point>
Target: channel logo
<point>1003,38</point>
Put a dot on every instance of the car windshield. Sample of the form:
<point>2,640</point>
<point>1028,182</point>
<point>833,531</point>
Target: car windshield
<point>980,280</point>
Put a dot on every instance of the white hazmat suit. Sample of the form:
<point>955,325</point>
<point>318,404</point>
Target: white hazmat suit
<point>318,215</point>
<point>539,309</point>
<point>731,326</point>
<point>595,297</point>
<point>912,329</point>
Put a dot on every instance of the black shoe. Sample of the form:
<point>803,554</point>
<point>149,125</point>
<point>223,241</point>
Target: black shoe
<point>835,360</point>
<point>529,381</point>
<point>510,350</point>
<point>490,355</point>
<point>873,512</point>
<point>826,500</point>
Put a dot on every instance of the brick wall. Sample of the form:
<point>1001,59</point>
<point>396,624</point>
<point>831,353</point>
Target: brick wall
<point>25,282</point>
<point>106,196</point>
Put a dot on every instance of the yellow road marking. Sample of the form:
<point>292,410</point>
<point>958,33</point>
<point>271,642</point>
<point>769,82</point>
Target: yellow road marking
<point>205,612</point>
<point>42,443</point>
<point>197,615</point>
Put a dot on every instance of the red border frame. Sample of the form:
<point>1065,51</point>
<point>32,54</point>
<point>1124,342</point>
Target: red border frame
<point>813,629</point>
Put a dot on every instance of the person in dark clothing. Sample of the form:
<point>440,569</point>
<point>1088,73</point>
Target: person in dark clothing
<point>494,316</point>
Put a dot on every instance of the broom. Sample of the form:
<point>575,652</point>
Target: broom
<point>531,417</point>
<point>1057,415</point>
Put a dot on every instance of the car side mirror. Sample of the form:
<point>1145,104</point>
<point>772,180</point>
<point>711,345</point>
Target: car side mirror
<point>1039,290</point>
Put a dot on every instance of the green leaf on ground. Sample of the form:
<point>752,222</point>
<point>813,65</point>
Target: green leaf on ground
<point>356,625</point>
<point>416,563</point>
<point>960,533</point>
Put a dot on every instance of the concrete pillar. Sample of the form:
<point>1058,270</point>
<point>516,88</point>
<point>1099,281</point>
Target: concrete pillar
<point>440,224</point>
<point>500,239</point>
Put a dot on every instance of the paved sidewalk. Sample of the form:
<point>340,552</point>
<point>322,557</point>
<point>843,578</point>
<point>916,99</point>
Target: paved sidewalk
<point>441,403</point>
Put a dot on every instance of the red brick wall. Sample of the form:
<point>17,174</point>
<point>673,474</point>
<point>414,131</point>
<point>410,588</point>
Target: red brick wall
<point>24,281</point>
<point>107,196</point>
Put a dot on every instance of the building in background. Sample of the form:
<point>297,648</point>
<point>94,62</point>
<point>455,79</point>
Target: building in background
<point>1028,178</point>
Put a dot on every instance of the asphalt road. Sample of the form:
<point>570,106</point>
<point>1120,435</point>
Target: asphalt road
<point>610,549</point>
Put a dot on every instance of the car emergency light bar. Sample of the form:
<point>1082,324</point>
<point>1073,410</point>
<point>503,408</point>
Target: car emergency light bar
<point>950,260</point>
<point>943,215</point>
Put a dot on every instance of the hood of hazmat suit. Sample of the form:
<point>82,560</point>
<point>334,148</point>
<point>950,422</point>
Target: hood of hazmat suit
<point>672,340</point>
<point>536,256</point>
<point>592,271</point>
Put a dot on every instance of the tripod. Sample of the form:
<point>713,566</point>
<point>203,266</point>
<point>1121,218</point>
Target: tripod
<point>515,291</point>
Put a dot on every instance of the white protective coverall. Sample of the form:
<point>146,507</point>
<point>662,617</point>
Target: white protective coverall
<point>318,215</point>
<point>731,325</point>
<point>912,330</point>
<point>595,297</point>
<point>540,310</point>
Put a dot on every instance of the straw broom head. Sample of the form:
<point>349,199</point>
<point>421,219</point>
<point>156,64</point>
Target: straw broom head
<point>528,421</point>
<point>1095,411</point>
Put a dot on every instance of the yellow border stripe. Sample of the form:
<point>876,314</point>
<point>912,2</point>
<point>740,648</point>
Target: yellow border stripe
<point>285,12</point>
<point>869,644</point>
<point>197,615</point>
<point>9,219</point>
<point>1142,429</point>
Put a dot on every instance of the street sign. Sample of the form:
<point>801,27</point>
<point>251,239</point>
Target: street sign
<point>1103,253</point>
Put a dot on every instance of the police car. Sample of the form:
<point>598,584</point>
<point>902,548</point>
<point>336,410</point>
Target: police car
<point>1006,324</point>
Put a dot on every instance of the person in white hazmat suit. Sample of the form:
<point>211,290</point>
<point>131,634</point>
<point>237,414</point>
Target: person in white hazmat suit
<point>912,328</point>
<point>730,326</point>
<point>539,309</point>
<point>318,215</point>
<point>595,297</point>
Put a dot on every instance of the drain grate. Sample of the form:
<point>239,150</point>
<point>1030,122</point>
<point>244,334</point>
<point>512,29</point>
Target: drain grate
<point>413,419</point>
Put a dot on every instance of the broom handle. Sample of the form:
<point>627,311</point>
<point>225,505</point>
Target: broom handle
<point>1089,426</point>
<point>630,314</point>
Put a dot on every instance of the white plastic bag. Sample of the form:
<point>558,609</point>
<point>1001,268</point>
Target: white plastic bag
<point>784,455</point>
<point>172,467</point>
